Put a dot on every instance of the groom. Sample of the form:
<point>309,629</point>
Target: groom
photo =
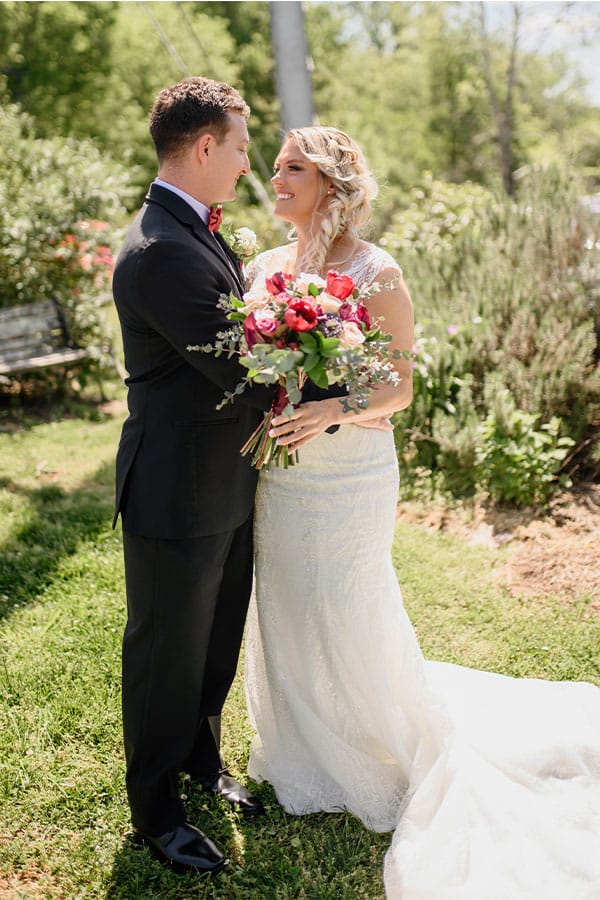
<point>184,492</point>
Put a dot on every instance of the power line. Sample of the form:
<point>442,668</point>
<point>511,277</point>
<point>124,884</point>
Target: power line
<point>255,183</point>
<point>190,25</point>
<point>257,155</point>
<point>164,38</point>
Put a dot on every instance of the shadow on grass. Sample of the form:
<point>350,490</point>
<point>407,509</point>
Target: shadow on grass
<point>137,874</point>
<point>315,857</point>
<point>57,523</point>
<point>18,413</point>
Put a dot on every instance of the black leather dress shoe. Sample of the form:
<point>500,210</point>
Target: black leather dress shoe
<point>185,849</point>
<point>223,784</point>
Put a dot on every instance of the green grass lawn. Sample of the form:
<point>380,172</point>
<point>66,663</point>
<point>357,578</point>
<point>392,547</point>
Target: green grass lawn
<point>64,827</point>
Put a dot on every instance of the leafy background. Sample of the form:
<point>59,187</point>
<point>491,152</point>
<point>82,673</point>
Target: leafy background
<point>483,157</point>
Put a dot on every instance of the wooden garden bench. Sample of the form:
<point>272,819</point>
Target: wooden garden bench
<point>35,335</point>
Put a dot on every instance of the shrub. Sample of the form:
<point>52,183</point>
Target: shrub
<point>62,205</point>
<point>507,299</point>
<point>517,463</point>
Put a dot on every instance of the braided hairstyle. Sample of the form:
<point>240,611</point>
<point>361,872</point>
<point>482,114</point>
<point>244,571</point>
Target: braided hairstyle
<point>342,162</point>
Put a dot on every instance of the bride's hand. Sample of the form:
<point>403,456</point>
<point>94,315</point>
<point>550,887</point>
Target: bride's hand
<point>381,422</point>
<point>307,422</point>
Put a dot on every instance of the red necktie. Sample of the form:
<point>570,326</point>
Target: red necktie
<point>215,218</point>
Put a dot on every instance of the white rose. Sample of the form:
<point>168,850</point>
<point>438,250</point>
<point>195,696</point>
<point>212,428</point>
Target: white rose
<point>328,303</point>
<point>351,335</point>
<point>257,298</point>
<point>305,279</point>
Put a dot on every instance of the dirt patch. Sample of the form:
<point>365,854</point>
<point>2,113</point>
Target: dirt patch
<point>554,551</point>
<point>21,886</point>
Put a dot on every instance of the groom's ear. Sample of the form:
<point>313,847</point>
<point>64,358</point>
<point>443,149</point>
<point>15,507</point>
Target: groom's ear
<point>204,145</point>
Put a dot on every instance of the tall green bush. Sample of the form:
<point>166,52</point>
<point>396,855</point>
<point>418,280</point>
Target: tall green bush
<point>62,208</point>
<point>507,300</point>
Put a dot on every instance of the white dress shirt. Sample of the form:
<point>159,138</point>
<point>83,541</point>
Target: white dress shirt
<point>198,207</point>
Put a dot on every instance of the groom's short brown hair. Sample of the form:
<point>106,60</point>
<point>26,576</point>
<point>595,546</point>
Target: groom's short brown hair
<point>184,111</point>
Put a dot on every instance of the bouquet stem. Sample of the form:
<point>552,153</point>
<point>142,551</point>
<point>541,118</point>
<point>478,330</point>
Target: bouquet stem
<point>265,449</point>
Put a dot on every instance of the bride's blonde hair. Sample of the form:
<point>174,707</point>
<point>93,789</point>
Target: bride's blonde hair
<point>342,162</point>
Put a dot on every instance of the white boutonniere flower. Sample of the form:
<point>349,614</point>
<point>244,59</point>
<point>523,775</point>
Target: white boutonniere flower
<point>242,241</point>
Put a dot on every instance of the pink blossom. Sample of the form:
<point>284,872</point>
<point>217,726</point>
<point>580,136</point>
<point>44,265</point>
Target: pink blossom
<point>265,323</point>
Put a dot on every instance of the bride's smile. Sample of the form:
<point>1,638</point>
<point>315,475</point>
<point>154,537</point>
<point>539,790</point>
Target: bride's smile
<point>300,188</point>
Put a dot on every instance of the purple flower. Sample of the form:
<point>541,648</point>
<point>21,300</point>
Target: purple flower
<point>452,329</point>
<point>331,326</point>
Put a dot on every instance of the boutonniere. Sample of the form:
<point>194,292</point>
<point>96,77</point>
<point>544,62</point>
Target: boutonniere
<point>242,241</point>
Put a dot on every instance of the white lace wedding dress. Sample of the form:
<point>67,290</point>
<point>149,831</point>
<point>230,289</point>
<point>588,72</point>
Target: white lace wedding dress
<point>491,785</point>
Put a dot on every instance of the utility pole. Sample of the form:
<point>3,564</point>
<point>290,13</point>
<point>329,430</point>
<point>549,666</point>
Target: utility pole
<point>292,64</point>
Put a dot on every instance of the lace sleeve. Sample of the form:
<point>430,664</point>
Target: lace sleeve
<point>251,271</point>
<point>265,264</point>
<point>367,265</point>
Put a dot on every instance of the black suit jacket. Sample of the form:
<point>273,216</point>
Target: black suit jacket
<point>180,473</point>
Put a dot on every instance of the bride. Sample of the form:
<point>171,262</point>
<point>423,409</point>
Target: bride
<point>491,785</point>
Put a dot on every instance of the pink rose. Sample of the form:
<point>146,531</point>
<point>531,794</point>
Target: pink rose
<point>265,323</point>
<point>340,286</point>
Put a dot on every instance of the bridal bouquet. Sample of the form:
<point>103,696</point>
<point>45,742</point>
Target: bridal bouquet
<point>292,330</point>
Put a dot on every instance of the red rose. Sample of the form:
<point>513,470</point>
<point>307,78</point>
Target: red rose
<point>301,316</point>
<point>251,333</point>
<point>340,286</point>
<point>277,283</point>
<point>358,314</point>
<point>363,315</point>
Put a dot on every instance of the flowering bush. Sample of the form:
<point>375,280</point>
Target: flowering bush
<point>82,263</point>
<point>62,206</point>
<point>312,328</point>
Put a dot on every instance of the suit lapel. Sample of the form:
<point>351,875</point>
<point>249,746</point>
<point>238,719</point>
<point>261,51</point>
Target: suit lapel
<point>229,252</point>
<point>231,259</point>
<point>184,213</point>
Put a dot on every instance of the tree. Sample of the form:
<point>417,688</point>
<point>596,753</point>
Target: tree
<point>427,86</point>
<point>55,58</point>
<point>502,108</point>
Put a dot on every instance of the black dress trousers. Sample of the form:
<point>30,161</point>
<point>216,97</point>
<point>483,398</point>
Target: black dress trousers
<point>187,602</point>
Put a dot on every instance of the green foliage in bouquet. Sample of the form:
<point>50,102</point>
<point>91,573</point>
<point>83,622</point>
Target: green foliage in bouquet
<point>62,205</point>
<point>507,299</point>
